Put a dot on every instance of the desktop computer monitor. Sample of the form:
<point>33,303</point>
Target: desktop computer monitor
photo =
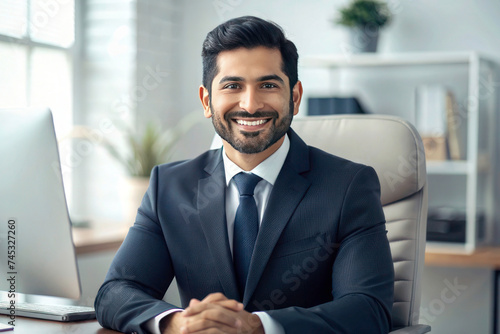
<point>37,254</point>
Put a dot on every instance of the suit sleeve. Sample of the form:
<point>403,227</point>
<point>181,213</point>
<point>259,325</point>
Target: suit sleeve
<point>140,273</point>
<point>362,273</point>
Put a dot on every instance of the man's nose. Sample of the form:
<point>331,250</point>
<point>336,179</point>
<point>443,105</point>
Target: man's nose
<point>251,101</point>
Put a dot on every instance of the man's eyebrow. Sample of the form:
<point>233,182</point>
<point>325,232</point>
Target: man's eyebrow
<point>262,78</point>
<point>231,78</point>
<point>271,77</point>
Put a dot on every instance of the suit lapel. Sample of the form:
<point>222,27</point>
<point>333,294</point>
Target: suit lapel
<point>211,204</point>
<point>288,191</point>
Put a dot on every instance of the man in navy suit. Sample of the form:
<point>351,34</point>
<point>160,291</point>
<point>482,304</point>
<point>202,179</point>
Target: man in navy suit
<point>320,262</point>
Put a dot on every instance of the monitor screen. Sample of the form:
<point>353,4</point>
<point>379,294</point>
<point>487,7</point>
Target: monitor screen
<point>37,255</point>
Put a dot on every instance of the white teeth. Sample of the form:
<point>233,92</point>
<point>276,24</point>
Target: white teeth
<point>254,123</point>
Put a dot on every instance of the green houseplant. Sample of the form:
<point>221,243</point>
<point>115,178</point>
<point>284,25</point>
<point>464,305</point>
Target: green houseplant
<point>150,147</point>
<point>364,19</point>
<point>139,153</point>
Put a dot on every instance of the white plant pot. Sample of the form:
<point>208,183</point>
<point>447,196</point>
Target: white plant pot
<point>133,190</point>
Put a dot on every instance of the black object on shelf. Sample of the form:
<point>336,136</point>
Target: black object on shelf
<point>449,225</point>
<point>334,105</point>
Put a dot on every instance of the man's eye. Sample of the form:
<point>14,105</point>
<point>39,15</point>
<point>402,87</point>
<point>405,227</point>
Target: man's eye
<point>231,86</point>
<point>269,85</point>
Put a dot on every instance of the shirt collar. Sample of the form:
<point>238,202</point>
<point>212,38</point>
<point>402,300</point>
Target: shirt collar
<point>267,169</point>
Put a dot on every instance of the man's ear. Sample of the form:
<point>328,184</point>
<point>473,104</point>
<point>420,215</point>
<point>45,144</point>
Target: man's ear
<point>205,101</point>
<point>297,96</point>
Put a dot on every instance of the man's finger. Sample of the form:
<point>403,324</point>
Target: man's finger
<point>202,325</point>
<point>198,308</point>
<point>210,315</point>
<point>231,304</point>
<point>214,297</point>
<point>219,299</point>
<point>193,302</point>
<point>222,300</point>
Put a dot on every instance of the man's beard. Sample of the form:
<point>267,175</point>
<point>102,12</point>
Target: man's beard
<point>256,142</point>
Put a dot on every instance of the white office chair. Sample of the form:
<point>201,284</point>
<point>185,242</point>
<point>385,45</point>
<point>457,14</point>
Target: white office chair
<point>394,148</point>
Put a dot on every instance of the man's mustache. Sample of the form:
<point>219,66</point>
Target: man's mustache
<point>246,114</point>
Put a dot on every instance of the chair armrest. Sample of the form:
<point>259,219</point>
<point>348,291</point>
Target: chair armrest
<point>417,329</point>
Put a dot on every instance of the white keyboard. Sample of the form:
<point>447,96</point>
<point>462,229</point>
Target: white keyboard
<point>48,312</point>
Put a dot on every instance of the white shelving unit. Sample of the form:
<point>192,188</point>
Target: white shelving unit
<point>388,82</point>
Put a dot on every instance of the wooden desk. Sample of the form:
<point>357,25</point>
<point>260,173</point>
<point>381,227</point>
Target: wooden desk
<point>482,258</point>
<point>99,237</point>
<point>30,326</point>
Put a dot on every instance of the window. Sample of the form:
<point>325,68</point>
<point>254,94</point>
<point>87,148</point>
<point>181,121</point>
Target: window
<point>36,39</point>
<point>36,46</point>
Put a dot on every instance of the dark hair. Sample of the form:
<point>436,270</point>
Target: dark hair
<point>247,32</point>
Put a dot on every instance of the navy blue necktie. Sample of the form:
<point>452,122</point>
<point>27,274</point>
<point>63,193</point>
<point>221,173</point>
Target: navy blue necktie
<point>246,226</point>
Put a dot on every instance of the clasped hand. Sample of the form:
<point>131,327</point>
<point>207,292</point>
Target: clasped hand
<point>214,314</point>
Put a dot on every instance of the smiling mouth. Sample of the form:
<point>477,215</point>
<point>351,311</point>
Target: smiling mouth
<point>252,123</point>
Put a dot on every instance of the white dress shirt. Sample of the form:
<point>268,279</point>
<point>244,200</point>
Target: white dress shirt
<point>268,170</point>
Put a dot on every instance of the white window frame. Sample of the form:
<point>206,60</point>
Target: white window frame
<point>30,44</point>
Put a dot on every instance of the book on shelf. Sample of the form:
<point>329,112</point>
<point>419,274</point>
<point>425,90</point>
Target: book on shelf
<point>455,134</point>
<point>440,123</point>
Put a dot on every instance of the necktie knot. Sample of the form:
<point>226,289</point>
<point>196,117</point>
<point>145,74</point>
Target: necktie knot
<point>246,183</point>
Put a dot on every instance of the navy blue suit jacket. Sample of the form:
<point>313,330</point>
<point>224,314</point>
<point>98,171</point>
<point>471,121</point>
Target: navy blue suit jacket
<point>322,262</point>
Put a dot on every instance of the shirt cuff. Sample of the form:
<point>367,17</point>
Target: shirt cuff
<point>153,325</point>
<point>270,325</point>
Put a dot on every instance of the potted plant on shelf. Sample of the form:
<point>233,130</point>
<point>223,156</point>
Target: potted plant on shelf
<point>364,18</point>
<point>142,151</point>
<point>146,149</point>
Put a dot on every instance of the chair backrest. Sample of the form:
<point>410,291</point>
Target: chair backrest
<point>394,149</point>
